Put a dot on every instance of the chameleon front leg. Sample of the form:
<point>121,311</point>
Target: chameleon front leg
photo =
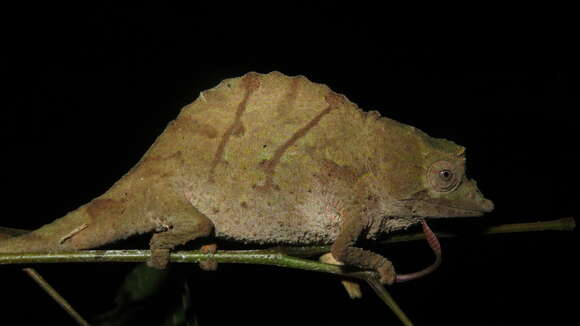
<point>183,224</point>
<point>344,251</point>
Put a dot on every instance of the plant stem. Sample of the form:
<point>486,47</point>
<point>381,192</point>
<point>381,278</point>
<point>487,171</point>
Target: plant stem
<point>279,256</point>
<point>55,296</point>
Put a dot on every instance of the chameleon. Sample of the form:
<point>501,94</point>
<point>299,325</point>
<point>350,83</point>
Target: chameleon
<point>273,159</point>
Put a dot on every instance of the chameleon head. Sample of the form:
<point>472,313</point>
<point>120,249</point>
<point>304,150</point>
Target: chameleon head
<point>427,177</point>
<point>448,192</point>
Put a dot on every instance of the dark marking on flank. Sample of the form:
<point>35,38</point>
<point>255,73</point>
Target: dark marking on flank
<point>183,125</point>
<point>251,83</point>
<point>334,171</point>
<point>269,166</point>
<point>158,165</point>
<point>239,131</point>
<point>105,208</point>
<point>175,155</point>
<point>287,102</point>
<point>203,129</point>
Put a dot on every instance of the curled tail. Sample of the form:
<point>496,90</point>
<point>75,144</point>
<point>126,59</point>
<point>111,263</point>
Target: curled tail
<point>435,246</point>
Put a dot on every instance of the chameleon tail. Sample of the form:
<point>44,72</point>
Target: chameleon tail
<point>99,222</point>
<point>435,246</point>
<point>48,238</point>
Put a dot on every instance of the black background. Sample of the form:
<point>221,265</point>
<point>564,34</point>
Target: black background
<point>89,89</point>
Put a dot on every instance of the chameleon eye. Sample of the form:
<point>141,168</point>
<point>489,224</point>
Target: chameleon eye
<point>443,176</point>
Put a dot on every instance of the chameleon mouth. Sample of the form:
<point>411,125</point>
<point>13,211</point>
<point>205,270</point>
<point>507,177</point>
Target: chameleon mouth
<point>442,208</point>
<point>476,209</point>
<point>465,201</point>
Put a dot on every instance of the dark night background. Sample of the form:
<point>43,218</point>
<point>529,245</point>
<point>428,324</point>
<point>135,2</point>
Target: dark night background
<point>92,87</point>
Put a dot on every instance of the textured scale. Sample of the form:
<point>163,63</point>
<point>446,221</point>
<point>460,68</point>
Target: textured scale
<point>249,189</point>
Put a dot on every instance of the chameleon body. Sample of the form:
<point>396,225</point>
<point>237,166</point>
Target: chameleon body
<point>267,158</point>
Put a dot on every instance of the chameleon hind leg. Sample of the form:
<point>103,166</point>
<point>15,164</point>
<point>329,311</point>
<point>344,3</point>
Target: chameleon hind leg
<point>186,223</point>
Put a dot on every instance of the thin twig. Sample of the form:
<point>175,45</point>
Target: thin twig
<point>561,224</point>
<point>284,257</point>
<point>55,296</point>
<point>279,256</point>
<point>384,295</point>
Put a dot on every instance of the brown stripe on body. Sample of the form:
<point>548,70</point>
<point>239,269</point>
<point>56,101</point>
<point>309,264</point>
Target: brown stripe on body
<point>287,102</point>
<point>251,83</point>
<point>269,166</point>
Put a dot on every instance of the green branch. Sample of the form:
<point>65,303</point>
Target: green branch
<point>278,256</point>
<point>55,296</point>
<point>289,257</point>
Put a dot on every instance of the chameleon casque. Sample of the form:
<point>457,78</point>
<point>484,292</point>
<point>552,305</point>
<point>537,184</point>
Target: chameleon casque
<point>267,158</point>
